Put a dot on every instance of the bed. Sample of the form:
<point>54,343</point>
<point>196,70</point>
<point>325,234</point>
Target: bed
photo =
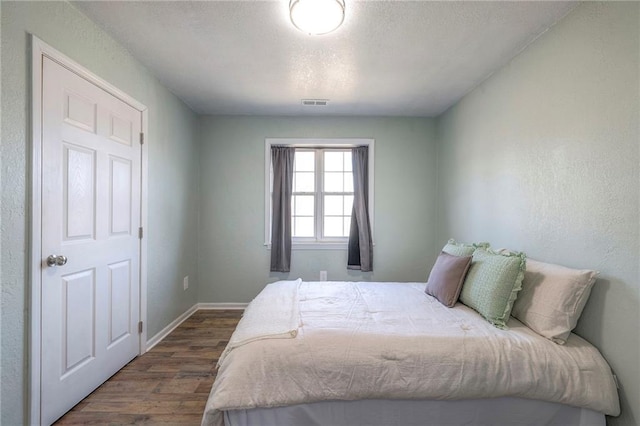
<point>346,353</point>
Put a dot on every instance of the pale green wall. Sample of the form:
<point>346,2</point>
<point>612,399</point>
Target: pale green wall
<point>173,183</point>
<point>234,263</point>
<point>544,158</point>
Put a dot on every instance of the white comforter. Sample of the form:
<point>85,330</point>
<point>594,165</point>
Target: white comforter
<point>392,341</point>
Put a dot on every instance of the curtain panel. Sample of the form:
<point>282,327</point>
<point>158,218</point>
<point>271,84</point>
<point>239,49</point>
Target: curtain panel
<point>282,162</point>
<point>360,254</point>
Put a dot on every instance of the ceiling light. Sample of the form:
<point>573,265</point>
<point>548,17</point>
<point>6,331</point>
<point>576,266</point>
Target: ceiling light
<point>316,17</point>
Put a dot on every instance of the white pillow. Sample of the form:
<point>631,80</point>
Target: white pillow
<point>552,299</point>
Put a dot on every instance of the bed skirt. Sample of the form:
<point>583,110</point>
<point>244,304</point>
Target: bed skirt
<point>496,411</point>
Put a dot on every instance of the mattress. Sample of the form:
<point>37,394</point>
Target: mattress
<point>348,341</point>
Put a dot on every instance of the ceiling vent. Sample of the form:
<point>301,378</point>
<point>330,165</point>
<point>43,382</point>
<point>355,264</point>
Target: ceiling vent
<point>315,102</point>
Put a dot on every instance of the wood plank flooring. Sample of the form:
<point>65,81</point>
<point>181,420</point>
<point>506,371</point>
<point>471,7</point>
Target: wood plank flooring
<point>169,384</point>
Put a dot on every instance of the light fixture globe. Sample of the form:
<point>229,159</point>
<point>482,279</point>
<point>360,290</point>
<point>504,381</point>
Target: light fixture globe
<point>316,17</point>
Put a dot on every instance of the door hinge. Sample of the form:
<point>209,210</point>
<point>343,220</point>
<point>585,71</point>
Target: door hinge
<point>140,232</point>
<point>140,327</point>
<point>141,138</point>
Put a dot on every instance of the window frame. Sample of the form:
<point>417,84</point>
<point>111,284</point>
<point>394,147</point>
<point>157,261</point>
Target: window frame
<point>313,243</point>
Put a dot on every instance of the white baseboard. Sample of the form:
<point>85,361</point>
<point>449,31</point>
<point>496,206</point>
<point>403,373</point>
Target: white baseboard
<point>182,318</point>
<point>222,305</point>
<point>169,328</point>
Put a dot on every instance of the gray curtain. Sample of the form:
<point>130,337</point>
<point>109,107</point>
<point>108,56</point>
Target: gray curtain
<point>282,162</point>
<point>360,245</point>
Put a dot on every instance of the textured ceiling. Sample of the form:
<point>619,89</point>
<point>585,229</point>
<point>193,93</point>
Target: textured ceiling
<point>389,58</point>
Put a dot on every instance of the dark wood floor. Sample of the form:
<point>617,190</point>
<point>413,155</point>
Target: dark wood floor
<point>167,385</point>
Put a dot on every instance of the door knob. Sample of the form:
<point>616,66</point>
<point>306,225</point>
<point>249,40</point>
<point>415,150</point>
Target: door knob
<point>56,260</point>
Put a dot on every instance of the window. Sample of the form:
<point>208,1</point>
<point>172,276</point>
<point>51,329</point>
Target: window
<point>322,197</point>
<point>322,194</point>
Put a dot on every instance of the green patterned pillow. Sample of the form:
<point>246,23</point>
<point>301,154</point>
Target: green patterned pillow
<point>493,283</point>
<point>461,249</point>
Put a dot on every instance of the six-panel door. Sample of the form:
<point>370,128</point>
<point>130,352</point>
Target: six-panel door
<point>91,160</point>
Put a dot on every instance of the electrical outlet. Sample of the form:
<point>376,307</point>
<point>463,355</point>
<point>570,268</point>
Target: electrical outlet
<point>323,275</point>
<point>185,282</point>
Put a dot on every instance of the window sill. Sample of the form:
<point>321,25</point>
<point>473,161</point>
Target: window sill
<point>316,246</point>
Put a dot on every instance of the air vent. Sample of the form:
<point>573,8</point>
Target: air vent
<point>315,102</point>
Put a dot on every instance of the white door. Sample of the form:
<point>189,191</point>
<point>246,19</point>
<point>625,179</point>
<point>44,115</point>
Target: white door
<point>91,158</point>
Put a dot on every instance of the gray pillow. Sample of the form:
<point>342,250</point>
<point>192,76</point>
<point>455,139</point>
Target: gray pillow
<point>446,278</point>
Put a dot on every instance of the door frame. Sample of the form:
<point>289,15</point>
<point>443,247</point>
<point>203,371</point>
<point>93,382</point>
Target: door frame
<point>40,50</point>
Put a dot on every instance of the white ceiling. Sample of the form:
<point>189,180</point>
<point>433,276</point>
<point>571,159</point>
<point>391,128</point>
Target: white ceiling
<point>406,58</point>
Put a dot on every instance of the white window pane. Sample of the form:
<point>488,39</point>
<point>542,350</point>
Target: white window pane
<point>348,182</point>
<point>333,161</point>
<point>348,205</point>
<point>333,205</point>
<point>304,161</point>
<point>303,182</point>
<point>333,226</point>
<point>347,226</point>
<point>303,205</point>
<point>333,182</point>
<point>303,227</point>
<point>348,165</point>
